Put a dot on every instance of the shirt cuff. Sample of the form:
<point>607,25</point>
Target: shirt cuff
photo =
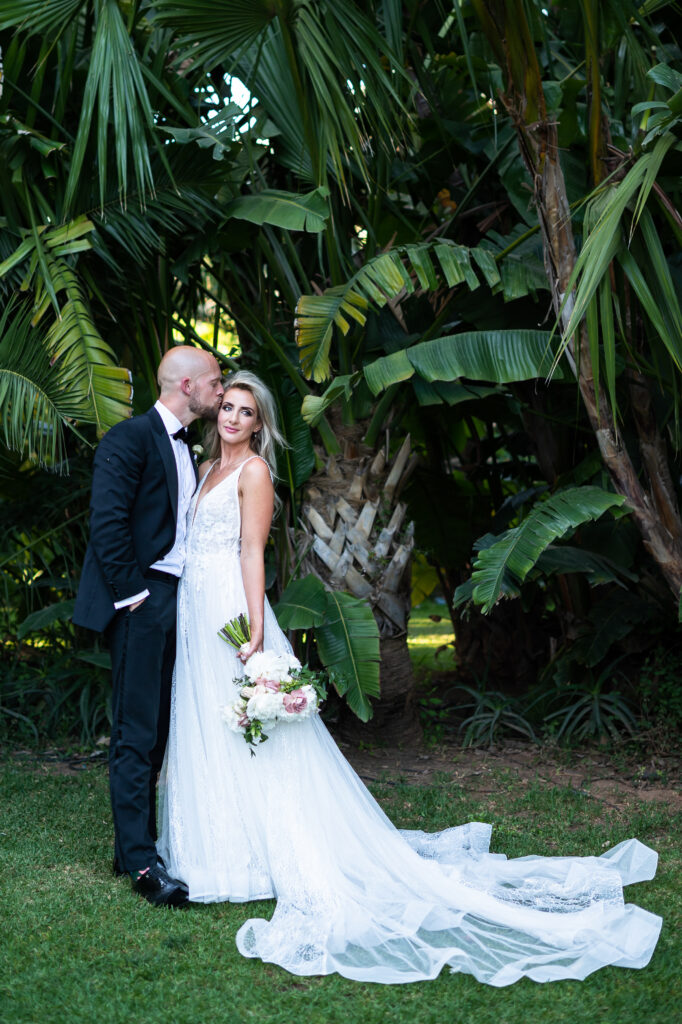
<point>131,600</point>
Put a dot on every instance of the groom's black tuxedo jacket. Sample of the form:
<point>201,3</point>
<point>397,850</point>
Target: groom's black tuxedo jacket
<point>133,515</point>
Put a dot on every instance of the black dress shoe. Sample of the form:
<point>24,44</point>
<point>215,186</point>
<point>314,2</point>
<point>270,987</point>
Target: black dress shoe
<point>159,889</point>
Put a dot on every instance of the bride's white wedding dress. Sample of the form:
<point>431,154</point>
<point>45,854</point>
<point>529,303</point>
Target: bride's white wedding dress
<point>354,894</point>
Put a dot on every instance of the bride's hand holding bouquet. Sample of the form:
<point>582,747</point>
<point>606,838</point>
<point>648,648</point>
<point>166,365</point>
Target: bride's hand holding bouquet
<point>277,688</point>
<point>237,633</point>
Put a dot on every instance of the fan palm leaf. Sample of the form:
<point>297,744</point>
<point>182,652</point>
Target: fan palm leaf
<point>334,67</point>
<point>115,96</point>
<point>48,17</point>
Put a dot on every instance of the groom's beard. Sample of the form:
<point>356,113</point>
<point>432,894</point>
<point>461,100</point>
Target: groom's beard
<point>203,412</point>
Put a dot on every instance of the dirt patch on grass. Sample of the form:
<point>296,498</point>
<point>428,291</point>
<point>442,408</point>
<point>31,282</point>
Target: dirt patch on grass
<point>617,780</point>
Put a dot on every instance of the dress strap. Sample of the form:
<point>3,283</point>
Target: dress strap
<point>238,471</point>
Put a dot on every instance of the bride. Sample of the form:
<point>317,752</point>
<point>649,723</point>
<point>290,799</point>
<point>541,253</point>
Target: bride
<point>354,894</point>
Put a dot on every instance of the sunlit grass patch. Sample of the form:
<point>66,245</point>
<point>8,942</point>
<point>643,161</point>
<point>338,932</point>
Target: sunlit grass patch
<point>430,641</point>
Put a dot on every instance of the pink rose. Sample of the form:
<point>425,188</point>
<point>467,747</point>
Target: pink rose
<point>295,702</point>
<point>243,722</point>
<point>269,684</point>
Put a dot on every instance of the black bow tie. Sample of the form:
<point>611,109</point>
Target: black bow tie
<point>181,435</point>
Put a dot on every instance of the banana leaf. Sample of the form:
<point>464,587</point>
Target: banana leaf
<point>302,605</point>
<point>390,274</point>
<point>495,356</point>
<point>289,210</point>
<point>348,643</point>
<point>59,612</point>
<point>346,635</point>
<point>506,563</point>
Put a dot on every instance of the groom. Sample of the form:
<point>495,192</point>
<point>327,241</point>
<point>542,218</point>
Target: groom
<point>142,485</point>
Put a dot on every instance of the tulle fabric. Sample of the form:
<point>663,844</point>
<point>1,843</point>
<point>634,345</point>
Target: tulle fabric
<point>354,894</point>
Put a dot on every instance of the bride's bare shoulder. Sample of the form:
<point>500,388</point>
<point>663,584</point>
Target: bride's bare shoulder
<point>256,473</point>
<point>203,469</point>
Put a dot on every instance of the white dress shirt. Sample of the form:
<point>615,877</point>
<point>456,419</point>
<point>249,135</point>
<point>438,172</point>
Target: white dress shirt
<point>173,562</point>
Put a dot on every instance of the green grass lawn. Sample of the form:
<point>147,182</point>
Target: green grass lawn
<point>78,946</point>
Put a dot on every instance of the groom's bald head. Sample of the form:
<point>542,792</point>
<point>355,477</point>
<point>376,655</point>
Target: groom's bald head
<point>181,363</point>
<point>190,383</point>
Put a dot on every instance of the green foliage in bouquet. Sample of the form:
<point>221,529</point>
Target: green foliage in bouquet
<point>236,632</point>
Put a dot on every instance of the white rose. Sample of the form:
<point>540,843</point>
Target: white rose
<point>265,705</point>
<point>231,715</point>
<point>271,665</point>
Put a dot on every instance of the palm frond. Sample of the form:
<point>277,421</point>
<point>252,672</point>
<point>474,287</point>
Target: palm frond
<point>606,236</point>
<point>338,74</point>
<point>80,358</point>
<point>115,96</point>
<point>503,566</point>
<point>428,266</point>
<point>37,16</point>
<point>211,31</point>
<point>35,404</point>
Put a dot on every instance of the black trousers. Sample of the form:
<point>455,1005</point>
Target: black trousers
<point>142,646</point>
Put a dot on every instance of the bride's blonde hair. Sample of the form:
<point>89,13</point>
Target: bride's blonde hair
<point>262,442</point>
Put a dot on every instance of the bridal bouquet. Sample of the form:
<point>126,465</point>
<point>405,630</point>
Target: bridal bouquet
<point>277,688</point>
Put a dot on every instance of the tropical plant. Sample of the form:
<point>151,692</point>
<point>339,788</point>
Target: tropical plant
<point>659,689</point>
<point>164,228</point>
<point>345,634</point>
<point>378,180</point>
<point>494,715</point>
<point>616,293</point>
<point>588,711</point>
<point>502,565</point>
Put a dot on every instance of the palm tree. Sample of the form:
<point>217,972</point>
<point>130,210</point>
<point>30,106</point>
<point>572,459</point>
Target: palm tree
<point>614,296</point>
<point>165,226</point>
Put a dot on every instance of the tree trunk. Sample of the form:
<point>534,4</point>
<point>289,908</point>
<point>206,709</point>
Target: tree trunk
<point>395,718</point>
<point>353,536</point>
<point>504,23</point>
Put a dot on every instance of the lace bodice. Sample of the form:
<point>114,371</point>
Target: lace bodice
<point>214,524</point>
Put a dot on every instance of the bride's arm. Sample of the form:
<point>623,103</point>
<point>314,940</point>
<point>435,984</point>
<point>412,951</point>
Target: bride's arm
<point>257,497</point>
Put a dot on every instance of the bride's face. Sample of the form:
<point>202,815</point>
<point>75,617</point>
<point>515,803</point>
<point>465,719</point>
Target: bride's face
<point>238,417</point>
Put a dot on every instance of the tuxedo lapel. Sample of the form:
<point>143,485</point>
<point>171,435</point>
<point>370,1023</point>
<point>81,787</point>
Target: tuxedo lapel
<point>165,448</point>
